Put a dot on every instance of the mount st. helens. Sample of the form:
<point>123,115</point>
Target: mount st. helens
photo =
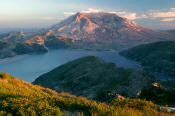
<point>98,30</point>
<point>105,29</point>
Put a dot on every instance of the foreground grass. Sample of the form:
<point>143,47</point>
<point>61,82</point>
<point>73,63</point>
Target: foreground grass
<point>19,98</point>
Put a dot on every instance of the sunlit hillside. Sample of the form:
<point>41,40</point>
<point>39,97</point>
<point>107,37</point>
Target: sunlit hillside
<point>20,98</point>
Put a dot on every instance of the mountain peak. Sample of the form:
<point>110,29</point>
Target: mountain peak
<point>99,14</point>
<point>99,29</point>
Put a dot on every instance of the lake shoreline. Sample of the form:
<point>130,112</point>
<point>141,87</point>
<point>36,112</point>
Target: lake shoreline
<point>32,66</point>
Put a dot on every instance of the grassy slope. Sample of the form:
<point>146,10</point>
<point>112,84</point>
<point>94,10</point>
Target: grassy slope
<point>20,98</point>
<point>159,56</point>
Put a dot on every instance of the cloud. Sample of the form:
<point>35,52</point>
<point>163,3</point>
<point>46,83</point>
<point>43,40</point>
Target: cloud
<point>90,10</point>
<point>130,16</point>
<point>143,16</point>
<point>69,13</point>
<point>163,14</point>
<point>173,9</point>
<point>168,19</point>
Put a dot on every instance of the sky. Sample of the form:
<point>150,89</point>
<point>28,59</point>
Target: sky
<point>154,14</point>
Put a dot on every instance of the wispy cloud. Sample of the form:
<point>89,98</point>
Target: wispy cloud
<point>173,9</point>
<point>166,16</point>
<point>69,13</point>
<point>90,10</point>
<point>163,14</point>
<point>129,15</point>
<point>168,19</point>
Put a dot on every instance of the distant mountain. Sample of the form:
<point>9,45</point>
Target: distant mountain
<point>13,37</point>
<point>50,41</point>
<point>105,29</point>
<point>157,57</point>
<point>19,43</point>
<point>93,78</point>
<point>8,49</point>
<point>14,30</point>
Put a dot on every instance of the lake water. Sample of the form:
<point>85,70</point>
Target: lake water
<point>29,67</point>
